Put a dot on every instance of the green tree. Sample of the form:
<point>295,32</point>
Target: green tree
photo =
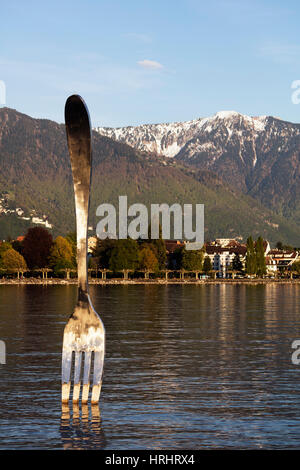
<point>161,252</point>
<point>280,246</point>
<point>207,266</point>
<point>250,257</point>
<point>192,260</point>
<point>260,257</point>
<point>124,255</point>
<point>175,259</point>
<point>13,261</point>
<point>102,252</point>
<point>288,247</point>
<point>237,264</point>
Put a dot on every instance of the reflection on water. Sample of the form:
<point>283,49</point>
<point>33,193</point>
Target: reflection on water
<point>81,425</point>
<point>187,367</point>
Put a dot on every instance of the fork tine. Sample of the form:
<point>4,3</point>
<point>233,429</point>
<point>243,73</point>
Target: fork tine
<point>76,390</point>
<point>66,372</point>
<point>97,376</point>
<point>96,393</point>
<point>86,377</point>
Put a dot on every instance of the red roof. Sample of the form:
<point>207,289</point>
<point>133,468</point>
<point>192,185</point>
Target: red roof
<point>172,245</point>
<point>233,243</point>
<point>232,249</point>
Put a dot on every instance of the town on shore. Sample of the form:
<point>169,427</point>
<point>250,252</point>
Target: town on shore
<point>37,257</point>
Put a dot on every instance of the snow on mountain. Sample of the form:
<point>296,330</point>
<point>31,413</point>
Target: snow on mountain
<point>163,139</point>
<point>257,155</point>
<point>234,136</point>
<point>168,139</point>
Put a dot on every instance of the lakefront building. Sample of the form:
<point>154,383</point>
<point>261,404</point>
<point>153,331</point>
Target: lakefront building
<point>280,260</point>
<point>222,252</point>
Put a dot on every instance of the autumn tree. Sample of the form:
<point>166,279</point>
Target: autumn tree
<point>12,261</point>
<point>147,259</point>
<point>158,246</point>
<point>37,245</point>
<point>61,255</point>
<point>4,246</point>
<point>71,238</point>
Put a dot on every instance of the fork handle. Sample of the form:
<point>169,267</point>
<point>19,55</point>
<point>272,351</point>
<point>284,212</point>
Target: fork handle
<point>78,130</point>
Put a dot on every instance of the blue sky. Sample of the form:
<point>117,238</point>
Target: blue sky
<point>152,61</point>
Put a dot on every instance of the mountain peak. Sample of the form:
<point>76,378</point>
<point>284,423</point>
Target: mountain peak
<point>226,114</point>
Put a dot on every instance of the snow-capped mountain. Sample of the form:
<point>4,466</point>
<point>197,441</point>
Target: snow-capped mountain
<point>163,139</point>
<point>245,136</point>
<point>259,156</point>
<point>209,135</point>
<point>246,151</point>
<point>224,129</point>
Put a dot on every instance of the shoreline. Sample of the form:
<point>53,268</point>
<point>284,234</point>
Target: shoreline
<point>56,281</point>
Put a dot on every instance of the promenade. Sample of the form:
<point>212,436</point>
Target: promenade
<point>116,281</point>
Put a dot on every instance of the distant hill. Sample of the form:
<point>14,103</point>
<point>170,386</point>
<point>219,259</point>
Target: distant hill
<point>35,177</point>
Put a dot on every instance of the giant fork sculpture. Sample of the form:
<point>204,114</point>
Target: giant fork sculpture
<point>84,332</point>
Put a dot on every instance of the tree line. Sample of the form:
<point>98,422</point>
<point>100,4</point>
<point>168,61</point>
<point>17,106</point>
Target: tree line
<point>38,251</point>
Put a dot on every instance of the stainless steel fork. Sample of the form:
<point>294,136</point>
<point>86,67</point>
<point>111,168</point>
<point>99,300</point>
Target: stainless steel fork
<point>84,334</point>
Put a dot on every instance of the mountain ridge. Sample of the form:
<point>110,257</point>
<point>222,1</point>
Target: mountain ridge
<point>35,176</point>
<point>148,136</point>
<point>259,155</point>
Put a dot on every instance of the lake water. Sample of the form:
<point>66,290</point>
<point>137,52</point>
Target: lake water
<point>187,367</point>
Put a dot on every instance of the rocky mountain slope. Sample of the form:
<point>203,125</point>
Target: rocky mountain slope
<point>168,139</point>
<point>163,139</point>
<point>260,156</point>
<point>35,178</point>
